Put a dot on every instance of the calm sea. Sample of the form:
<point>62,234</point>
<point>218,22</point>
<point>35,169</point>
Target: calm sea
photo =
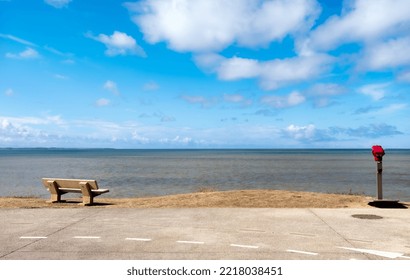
<point>130,173</point>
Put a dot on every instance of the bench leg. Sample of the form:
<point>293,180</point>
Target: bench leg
<point>55,193</point>
<point>54,198</point>
<point>88,198</point>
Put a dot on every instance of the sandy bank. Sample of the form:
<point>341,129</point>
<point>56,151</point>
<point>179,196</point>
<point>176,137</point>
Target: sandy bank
<point>209,199</point>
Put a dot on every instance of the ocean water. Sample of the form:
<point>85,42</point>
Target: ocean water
<point>132,173</point>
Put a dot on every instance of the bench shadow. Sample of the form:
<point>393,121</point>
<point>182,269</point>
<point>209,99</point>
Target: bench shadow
<point>78,202</point>
<point>388,204</point>
<point>101,204</point>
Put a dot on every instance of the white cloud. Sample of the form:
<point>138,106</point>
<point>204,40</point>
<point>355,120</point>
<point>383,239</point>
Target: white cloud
<point>118,43</point>
<point>176,140</point>
<point>5,124</point>
<point>102,102</point>
<point>307,132</point>
<point>9,92</point>
<point>390,54</point>
<point>22,121</point>
<point>237,99</point>
<point>371,131</point>
<point>111,86</point>
<point>56,119</point>
<point>321,93</point>
<point>205,27</point>
<point>212,25</point>
<point>375,91</point>
<point>17,39</point>
<point>58,52</point>
<point>280,72</point>
<point>58,3</point>
<point>140,139</point>
<point>291,100</point>
<point>52,131</point>
<point>209,62</point>
<point>276,19</point>
<point>326,89</point>
<point>392,108</point>
<point>234,98</point>
<point>28,53</point>
<point>239,68</point>
<point>9,132</point>
<point>197,99</point>
<point>61,77</point>
<point>382,110</point>
<point>365,21</point>
<point>271,74</point>
<point>24,131</point>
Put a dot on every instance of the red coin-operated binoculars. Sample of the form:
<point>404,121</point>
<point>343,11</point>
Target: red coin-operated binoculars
<point>378,154</point>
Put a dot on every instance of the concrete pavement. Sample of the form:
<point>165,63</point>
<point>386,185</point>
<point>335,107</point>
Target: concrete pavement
<point>241,233</point>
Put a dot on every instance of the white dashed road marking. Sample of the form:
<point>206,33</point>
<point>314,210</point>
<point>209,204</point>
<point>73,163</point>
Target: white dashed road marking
<point>190,242</point>
<point>390,255</point>
<point>302,252</point>
<point>138,239</point>
<point>244,246</point>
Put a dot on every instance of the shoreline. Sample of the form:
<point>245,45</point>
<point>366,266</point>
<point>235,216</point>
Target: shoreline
<point>209,199</point>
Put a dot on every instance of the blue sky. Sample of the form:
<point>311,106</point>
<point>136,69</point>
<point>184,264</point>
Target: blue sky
<point>205,74</point>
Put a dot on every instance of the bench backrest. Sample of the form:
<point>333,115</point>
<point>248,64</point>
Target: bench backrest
<point>70,183</point>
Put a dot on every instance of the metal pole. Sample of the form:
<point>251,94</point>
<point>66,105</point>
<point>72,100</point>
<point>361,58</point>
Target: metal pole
<point>379,180</point>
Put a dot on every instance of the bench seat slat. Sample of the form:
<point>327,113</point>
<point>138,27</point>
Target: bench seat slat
<point>67,190</point>
<point>101,191</point>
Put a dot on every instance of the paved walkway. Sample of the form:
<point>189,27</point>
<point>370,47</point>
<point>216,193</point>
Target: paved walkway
<point>281,234</point>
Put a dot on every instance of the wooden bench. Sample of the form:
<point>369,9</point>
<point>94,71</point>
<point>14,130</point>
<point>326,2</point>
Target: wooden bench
<point>88,188</point>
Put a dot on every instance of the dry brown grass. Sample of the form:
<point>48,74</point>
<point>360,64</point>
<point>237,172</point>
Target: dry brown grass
<point>208,199</point>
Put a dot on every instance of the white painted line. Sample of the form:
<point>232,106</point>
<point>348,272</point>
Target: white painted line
<point>138,239</point>
<point>302,252</point>
<point>190,242</point>
<point>390,255</point>
<point>244,246</point>
<point>404,257</point>
<point>33,237</point>
<point>87,237</point>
